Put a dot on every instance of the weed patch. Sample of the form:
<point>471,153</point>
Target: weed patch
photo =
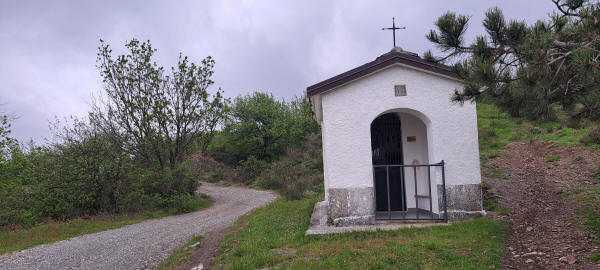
<point>553,158</point>
<point>181,254</point>
<point>490,201</point>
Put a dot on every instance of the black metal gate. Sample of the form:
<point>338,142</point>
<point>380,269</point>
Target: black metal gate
<point>393,172</point>
<point>386,146</point>
<point>389,175</point>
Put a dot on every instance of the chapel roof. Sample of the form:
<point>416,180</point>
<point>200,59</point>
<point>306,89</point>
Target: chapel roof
<point>395,56</point>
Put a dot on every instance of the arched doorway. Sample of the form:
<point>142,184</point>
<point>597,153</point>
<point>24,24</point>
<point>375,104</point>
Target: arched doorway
<point>386,147</point>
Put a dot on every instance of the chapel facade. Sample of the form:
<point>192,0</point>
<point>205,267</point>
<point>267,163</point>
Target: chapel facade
<point>395,147</point>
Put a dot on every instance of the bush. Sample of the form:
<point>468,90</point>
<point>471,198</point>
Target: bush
<point>263,128</point>
<point>250,169</point>
<point>297,173</point>
<point>128,155</point>
<point>185,203</point>
<point>213,176</point>
<point>205,167</point>
<point>82,176</point>
<point>593,137</point>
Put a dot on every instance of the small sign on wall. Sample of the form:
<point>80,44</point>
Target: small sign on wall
<point>411,138</point>
<point>400,90</point>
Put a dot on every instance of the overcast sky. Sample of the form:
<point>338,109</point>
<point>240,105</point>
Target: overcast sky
<point>48,48</point>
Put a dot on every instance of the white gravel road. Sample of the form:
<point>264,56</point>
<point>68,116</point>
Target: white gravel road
<point>143,245</point>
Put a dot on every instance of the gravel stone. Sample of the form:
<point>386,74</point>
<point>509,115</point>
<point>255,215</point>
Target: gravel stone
<point>144,245</point>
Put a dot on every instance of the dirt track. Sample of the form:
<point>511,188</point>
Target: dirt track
<point>544,226</point>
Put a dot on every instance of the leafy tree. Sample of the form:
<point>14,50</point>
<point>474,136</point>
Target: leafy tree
<point>127,156</point>
<point>157,116</point>
<point>528,70</point>
<point>263,128</point>
<point>5,140</point>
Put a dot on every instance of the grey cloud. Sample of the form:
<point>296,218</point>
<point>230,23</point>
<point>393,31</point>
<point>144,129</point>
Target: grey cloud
<point>48,48</point>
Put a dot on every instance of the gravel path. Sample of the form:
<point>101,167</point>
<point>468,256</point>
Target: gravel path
<point>143,245</point>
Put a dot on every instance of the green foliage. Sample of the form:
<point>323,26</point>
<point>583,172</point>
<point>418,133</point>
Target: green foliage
<point>128,156</point>
<point>593,137</point>
<point>497,128</point>
<point>155,116</point>
<point>553,158</point>
<point>250,168</point>
<point>5,140</point>
<point>536,71</point>
<point>185,203</point>
<point>299,173</point>
<point>263,128</point>
<point>86,174</point>
<point>213,176</point>
<point>273,237</point>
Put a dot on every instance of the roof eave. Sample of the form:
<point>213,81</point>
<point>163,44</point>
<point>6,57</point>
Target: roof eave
<point>380,63</point>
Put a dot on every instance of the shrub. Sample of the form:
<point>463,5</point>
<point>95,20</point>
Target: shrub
<point>249,169</point>
<point>213,176</point>
<point>262,127</point>
<point>205,167</point>
<point>593,137</point>
<point>82,177</point>
<point>184,203</point>
<point>27,218</point>
<point>298,172</point>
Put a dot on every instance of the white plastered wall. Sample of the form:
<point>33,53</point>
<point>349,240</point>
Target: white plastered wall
<point>417,152</point>
<point>347,113</point>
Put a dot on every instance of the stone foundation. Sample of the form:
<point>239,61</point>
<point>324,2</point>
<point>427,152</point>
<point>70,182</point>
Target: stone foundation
<point>356,206</point>
<point>350,206</point>
<point>463,201</point>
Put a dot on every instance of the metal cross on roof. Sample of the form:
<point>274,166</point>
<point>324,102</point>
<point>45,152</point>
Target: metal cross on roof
<point>393,28</point>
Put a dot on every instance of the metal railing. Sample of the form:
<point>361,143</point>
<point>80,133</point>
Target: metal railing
<point>414,213</point>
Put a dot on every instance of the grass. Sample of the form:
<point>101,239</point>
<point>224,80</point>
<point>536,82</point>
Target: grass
<point>273,236</point>
<point>554,158</point>
<point>497,129</point>
<point>492,171</point>
<point>588,197</point>
<point>490,202</point>
<point>180,255</point>
<point>52,231</point>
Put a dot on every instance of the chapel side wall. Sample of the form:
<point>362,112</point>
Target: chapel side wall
<point>349,110</point>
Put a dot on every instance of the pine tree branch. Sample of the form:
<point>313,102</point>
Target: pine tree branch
<point>568,11</point>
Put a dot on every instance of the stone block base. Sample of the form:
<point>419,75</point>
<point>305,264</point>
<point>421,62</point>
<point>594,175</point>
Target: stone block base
<point>319,215</point>
<point>463,201</point>
<point>350,206</point>
<point>463,215</point>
